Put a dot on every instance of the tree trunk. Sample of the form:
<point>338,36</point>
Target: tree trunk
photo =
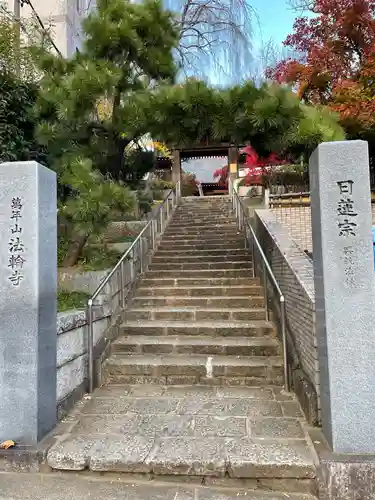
<point>74,252</point>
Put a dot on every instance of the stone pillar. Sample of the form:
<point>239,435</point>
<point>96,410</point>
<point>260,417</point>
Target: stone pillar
<point>176,166</point>
<point>28,269</point>
<point>344,291</point>
<point>233,167</point>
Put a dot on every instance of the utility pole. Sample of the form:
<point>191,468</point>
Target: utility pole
<point>17,29</point>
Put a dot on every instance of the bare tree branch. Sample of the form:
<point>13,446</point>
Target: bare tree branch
<point>215,37</point>
<point>302,6</point>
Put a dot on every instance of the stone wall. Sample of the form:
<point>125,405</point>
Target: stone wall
<point>74,280</point>
<point>72,357</point>
<point>123,228</point>
<point>297,219</point>
<point>294,272</point>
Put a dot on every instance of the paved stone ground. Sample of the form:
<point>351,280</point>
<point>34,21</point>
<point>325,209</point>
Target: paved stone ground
<point>201,431</point>
<point>72,487</point>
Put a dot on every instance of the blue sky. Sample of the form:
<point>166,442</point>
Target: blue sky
<point>276,20</point>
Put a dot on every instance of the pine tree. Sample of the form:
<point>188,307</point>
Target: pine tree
<point>271,118</point>
<point>90,118</point>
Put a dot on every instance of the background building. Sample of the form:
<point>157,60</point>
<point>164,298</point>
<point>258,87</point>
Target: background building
<point>62,17</point>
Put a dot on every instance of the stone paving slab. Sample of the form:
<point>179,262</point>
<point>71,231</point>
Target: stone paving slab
<point>200,431</point>
<point>73,487</point>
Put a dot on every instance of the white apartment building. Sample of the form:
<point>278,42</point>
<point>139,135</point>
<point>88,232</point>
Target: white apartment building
<point>64,17</point>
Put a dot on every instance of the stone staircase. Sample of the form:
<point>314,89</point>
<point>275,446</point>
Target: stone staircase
<point>198,316</point>
<point>193,385</point>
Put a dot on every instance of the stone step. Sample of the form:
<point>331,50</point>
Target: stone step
<point>225,198</point>
<point>207,210</point>
<point>190,266</point>
<point>193,281</point>
<point>201,228</point>
<point>194,369</point>
<point>239,346</point>
<point>215,253</point>
<point>201,273</point>
<point>225,437</point>
<point>214,302</point>
<point>214,237</point>
<point>199,245</point>
<point>194,314</point>
<point>255,328</point>
<point>188,222</point>
<point>56,486</point>
<point>240,257</point>
<point>211,211</point>
<point>202,206</point>
<point>191,221</point>
<point>196,291</point>
<point>204,200</point>
<point>204,236</point>
<point>208,233</point>
<point>213,215</point>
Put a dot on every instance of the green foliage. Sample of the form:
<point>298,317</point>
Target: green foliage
<point>62,247</point>
<point>289,175</point>
<point>17,140</point>
<point>88,115</point>
<point>92,97</point>
<point>158,186</point>
<point>97,258</point>
<point>137,164</point>
<point>144,201</point>
<point>92,198</point>
<point>17,53</point>
<point>271,117</point>
<point>188,184</point>
<point>18,92</point>
<point>71,300</point>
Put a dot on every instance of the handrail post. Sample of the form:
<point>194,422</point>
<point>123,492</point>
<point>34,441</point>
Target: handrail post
<point>122,294</point>
<point>132,273</point>
<point>285,347</point>
<point>141,254</point>
<point>264,270</point>
<point>152,235</point>
<point>90,345</point>
<point>253,255</point>
<point>161,221</point>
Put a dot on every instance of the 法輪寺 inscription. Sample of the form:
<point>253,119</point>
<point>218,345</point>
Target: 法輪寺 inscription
<point>16,247</point>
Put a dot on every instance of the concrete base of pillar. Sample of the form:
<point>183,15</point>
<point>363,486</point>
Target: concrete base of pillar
<point>342,476</point>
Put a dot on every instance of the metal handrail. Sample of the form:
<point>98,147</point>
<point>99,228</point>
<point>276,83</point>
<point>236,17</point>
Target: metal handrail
<point>137,253</point>
<point>267,273</point>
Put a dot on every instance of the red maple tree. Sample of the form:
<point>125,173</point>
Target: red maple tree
<point>354,98</point>
<point>333,46</point>
<point>257,168</point>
